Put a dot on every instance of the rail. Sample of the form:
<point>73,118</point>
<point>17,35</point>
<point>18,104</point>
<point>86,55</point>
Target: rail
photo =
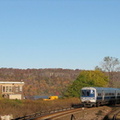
<point>40,114</point>
<point>72,112</point>
<point>114,115</point>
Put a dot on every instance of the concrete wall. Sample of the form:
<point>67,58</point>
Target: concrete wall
<point>15,96</point>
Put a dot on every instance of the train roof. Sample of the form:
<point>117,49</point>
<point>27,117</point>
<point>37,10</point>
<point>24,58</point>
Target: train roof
<point>101,88</point>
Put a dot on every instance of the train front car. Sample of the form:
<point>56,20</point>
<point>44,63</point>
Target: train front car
<point>88,96</point>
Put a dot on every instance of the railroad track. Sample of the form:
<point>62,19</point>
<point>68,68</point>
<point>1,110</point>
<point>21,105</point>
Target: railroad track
<point>114,115</point>
<point>64,114</point>
<point>74,114</point>
<point>53,115</point>
<point>59,115</point>
<point>41,114</point>
<point>117,116</point>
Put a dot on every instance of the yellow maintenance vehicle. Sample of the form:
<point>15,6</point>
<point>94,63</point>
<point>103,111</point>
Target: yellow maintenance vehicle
<point>51,98</point>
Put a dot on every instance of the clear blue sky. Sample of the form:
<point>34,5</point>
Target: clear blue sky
<point>73,34</point>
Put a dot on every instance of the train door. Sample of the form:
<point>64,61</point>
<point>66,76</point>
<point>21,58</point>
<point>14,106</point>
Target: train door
<point>115,96</point>
<point>103,95</point>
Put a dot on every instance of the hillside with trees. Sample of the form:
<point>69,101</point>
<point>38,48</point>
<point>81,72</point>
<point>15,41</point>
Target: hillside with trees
<point>46,82</point>
<point>41,81</point>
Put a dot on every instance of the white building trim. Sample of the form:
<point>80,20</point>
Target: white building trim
<point>11,82</point>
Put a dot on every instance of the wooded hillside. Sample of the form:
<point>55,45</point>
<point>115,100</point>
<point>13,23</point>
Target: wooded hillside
<point>41,81</point>
<point>46,82</point>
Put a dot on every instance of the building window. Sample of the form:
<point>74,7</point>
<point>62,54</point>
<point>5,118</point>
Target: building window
<point>7,89</point>
<point>20,88</point>
<point>10,88</point>
<point>16,89</point>
<point>3,89</point>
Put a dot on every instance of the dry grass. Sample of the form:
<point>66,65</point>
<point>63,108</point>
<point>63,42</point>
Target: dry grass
<point>26,107</point>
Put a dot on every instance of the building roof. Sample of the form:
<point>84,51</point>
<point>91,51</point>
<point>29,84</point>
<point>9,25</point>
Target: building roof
<point>1,82</point>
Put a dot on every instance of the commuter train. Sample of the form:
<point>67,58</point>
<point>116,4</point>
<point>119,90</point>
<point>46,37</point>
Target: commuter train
<point>96,96</point>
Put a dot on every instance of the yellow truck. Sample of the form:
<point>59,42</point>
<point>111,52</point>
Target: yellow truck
<point>51,98</point>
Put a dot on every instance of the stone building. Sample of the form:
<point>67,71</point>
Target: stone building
<point>11,90</point>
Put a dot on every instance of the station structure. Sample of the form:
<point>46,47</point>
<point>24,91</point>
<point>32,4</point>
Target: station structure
<point>11,90</point>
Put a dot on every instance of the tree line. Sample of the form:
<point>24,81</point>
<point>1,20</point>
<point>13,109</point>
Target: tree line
<point>64,82</point>
<point>42,82</point>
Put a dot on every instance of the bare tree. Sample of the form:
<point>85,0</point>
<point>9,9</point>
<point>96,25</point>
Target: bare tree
<point>111,66</point>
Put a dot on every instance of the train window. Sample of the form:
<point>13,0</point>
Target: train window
<point>110,93</point>
<point>106,94</point>
<point>88,93</point>
<point>83,93</point>
<point>92,92</point>
<point>99,94</point>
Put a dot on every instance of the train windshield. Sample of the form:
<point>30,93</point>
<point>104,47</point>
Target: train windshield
<point>88,93</point>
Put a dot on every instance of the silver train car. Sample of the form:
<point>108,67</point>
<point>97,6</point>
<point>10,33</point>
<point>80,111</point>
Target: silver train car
<point>96,96</point>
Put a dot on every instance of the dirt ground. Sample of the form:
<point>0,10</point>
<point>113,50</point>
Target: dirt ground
<point>94,113</point>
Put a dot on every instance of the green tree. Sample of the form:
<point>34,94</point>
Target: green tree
<point>86,79</point>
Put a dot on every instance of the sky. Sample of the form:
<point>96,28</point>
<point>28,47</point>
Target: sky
<point>68,34</point>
